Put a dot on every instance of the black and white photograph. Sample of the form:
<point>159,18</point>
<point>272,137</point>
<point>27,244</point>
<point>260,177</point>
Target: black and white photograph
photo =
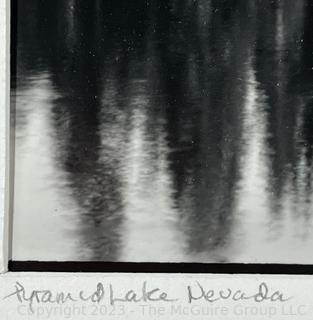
<point>170,131</point>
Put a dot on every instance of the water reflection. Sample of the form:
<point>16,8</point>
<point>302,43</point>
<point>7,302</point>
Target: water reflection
<point>169,130</point>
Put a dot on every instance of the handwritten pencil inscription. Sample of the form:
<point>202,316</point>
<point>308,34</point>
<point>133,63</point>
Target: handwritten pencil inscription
<point>147,293</point>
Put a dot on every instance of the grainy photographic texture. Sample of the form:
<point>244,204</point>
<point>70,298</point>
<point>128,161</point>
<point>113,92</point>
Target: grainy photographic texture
<point>164,131</point>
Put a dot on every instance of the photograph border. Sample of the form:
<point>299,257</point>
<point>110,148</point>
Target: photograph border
<point>300,286</point>
<point>4,133</point>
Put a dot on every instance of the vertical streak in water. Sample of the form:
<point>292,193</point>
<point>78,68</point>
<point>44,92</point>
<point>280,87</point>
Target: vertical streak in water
<point>252,199</point>
<point>279,32</point>
<point>41,211</point>
<point>70,23</point>
<point>150,227</point>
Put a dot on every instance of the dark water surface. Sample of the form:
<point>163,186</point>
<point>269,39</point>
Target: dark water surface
<point>170,130</point>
